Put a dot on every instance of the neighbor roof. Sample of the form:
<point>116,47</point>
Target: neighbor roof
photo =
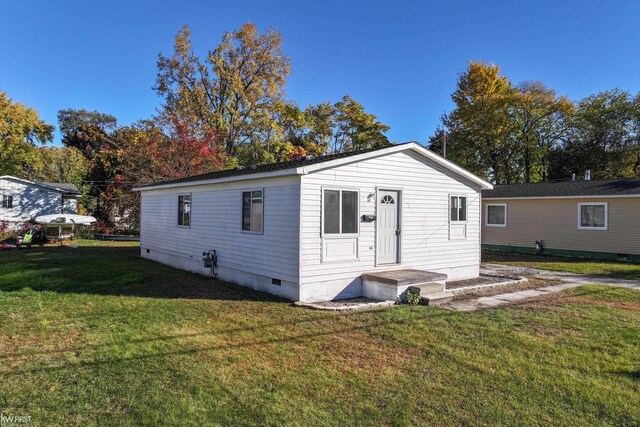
<point>608,187</point>
<point>69,188</point>
<point>60,187</point>
<point>309,164</point>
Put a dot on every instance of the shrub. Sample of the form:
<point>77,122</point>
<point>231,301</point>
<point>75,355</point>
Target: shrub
<point>412,298</point>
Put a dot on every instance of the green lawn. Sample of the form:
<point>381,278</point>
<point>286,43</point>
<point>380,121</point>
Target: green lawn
<point>622,270</point>
<point>95,335</point>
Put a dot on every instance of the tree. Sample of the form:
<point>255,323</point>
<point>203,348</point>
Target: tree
<point>233,92</point>
<point>480,129</point>
<point>542,120</point>
<point>21,130</point>
<point>603,138</point>
<point>59,164</point>
<point>91,132</point>
<point>355,129</point>
<point>145,154</point>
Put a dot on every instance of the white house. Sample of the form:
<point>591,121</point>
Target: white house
<point>22,200</point>
<point>309,229</point>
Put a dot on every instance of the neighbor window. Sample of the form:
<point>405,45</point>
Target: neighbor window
<point>458,208</point>
<point>340,212</point>
<point>252,211</point>
<point>184,210</point>
<point>496,215</point>
<point>592,216</point>
<point>7,201</point>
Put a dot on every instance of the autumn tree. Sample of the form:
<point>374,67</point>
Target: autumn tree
<point>91,132</point>
<point>21,130</point>
<point>355,129</point>
<point>480,128</point>
<point>150,151</point>
<point>233,92</point>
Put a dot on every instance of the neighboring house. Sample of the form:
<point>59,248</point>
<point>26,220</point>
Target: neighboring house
<point>596,219</point>
<point>23,200</point>
<point>308,229</point>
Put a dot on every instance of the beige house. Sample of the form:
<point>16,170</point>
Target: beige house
<point>595,219</point>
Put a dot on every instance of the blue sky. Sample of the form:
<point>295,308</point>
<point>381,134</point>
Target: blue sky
<point>399,58</point>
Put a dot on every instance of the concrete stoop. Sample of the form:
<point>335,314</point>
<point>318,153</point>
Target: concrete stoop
<point>393,284</point>
<point>432,293</point>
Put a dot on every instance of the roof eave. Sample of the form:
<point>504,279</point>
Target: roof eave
<point>303,170</point>
<point>583,196</point>
<point>246,177</point>
<point>482,184</point>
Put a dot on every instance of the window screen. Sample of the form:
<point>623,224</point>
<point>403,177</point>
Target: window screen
<point>496,215</point>
<point>458,208</point>
<point>7,201</point>
<point>184,211</point>
<point>592,216</point>
<point>340,212</point>
<point>252,211</point>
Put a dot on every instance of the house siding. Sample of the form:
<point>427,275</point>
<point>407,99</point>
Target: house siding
<point>555,222</point>
<point>70,205</point>
<point>216,217</point>
<point>425,242</point>
<point>29,201</point>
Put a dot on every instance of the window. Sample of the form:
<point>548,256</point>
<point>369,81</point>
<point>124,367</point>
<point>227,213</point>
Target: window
<point>184,210</point>
<point>340,212</point>
<point>496,215</point>
<point>7,201</point>
<point>592,216</point>
<point>252,211</point>
<point>458,208</point>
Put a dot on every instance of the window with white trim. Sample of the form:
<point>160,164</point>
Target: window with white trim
<point>7,201</point>
<point>252,211</point>
<point>458,208</point>
<point>593,216</point>
<point>340,212</point>
<point>184,210</point>
<point>496,215</point>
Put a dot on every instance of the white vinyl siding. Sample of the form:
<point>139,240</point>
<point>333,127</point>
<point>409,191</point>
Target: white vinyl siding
<point>215,224</point>
<point>425,244</point>
<point>27,201</point>
<point>495,214</point>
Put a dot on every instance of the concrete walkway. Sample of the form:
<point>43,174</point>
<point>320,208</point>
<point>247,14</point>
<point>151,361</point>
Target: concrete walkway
<point>570,280</point>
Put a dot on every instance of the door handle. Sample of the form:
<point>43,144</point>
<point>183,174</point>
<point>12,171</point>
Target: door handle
<point>397,231</point>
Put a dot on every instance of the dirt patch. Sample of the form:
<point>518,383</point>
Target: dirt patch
<point>532,283</point>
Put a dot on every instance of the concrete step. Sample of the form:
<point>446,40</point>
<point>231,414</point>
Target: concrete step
<point>424,289</point>
<point>437,298</point>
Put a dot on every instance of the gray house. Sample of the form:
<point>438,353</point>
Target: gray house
<point>22,200</point>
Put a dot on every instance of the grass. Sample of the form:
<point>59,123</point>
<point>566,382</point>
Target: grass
<point>96,335</point>
<point>622,270</point>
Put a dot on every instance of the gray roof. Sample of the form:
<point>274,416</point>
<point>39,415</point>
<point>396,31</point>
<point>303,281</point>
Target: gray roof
<point>606,187</point>
<point>66,188</point>
<point>270,167</point>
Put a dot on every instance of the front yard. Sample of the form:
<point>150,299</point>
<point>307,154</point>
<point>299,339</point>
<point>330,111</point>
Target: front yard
<point>96,335</point>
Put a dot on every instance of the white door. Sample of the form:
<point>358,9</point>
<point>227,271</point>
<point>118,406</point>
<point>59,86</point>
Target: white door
<point>388,227</point>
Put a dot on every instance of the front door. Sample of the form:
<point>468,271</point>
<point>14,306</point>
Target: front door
<point>388,224</point>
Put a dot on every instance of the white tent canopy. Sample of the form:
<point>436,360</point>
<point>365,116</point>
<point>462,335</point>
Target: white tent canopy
<point>62,219</point>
